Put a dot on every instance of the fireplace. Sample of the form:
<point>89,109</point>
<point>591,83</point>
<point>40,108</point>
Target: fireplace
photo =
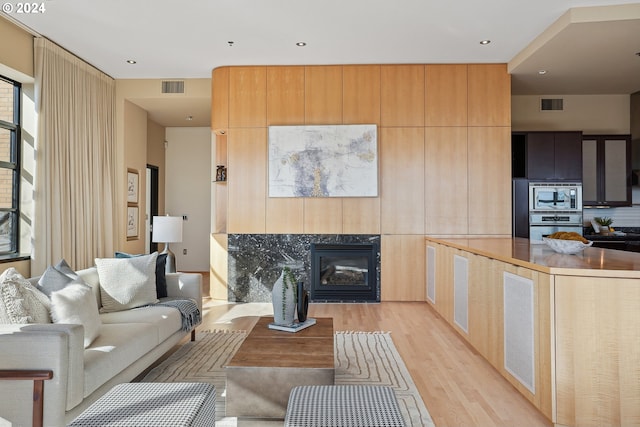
<point>345,272</point>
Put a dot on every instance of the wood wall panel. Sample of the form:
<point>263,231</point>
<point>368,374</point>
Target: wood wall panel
<point>218,267</point>
<point>402,95</point>
<point>323,95</point>
<point>285,95</point>
<point>403,261</point>
<point>361,215</point>
<point>248,97</point>
<point>361,98</point>
<point>323,215</point>
<point>247,177</point>
<point>285,215</point>
<point>220,99</point>
<point>489,95</point>
<point>220,188</point>
<point>402,171</point>
<point>446,95</point>
<point>446,179</point>
<point>489,166</point>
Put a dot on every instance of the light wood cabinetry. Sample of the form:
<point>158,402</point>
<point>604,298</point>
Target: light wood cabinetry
<point>402,267</point>
<point>487,317</point>
<point>285,95</point>
<point>489,186</point>
<point>248,97</point>
<point>361,97</point>
<point>220,99</point>
<point>402,166</point>
<point>247,159</point>
<point>489,95</point>
<point>446,95</point>
<point>606,170</point>
<point>402,99</point>
<point>323,95</point>
<point>446,178</point>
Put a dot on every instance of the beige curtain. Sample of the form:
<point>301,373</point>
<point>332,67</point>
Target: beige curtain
<point>75,160</point>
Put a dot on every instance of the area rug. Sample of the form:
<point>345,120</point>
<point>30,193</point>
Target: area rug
<point>361,358</point>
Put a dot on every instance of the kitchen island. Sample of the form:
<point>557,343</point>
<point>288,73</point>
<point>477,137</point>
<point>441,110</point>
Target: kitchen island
<point>563,329</point>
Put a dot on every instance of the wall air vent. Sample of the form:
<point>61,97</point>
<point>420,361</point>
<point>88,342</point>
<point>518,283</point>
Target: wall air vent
<point>551,104</point>
<point>173,86</point>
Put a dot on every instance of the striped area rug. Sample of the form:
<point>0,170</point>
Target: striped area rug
<point>361,358</point>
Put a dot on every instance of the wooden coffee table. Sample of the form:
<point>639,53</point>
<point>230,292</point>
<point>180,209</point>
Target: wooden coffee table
<point>270,363</point>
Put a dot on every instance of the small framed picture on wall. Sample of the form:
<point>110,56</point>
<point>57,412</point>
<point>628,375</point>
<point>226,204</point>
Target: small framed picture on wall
<point>132,222</point>
<point>132,186</point>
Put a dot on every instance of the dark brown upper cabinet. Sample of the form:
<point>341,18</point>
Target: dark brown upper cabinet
<point>547,156</point>
<point>606,170</point>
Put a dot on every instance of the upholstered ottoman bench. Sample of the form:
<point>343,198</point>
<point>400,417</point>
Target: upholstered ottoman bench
<point>343,406</point>
<point>152,405</point>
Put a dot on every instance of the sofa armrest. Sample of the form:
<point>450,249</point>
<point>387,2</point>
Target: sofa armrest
<point>185,285</point>
<point>55,347</point>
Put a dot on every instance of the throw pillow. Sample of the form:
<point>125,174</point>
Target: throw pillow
<point>161,280</point>
<point>56,277</point>
<point>127,282</point>
<point>20,301</point>
<point>75,304</point>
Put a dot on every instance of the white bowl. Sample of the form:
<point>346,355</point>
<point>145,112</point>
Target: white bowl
<point>566,246</point>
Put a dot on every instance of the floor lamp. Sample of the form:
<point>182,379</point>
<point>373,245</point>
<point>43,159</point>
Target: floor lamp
<point>167,229</point>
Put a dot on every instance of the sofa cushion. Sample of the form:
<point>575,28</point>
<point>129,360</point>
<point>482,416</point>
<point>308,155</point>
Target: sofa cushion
<point>20,301</point>
<point>75,304</point>
<point>56,277</point>
<point>127,282</point>
<point>161,280</point>
<point>166,320</point>
<point>118,346</point>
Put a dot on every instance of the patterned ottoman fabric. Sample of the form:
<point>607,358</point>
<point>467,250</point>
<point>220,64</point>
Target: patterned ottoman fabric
<point>152,405</point>
<point>344,406</point>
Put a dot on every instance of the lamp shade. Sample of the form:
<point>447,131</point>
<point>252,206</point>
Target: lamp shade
<point>167,229</point>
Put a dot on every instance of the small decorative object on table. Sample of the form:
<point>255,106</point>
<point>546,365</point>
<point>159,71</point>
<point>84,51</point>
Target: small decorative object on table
<point>303,302</point>
<point>604,224</point>
<point>295,326</point>
<point>284,298</point>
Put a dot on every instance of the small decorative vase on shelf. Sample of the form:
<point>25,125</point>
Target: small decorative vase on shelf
<point>303,302</point>
<point>283,298</point>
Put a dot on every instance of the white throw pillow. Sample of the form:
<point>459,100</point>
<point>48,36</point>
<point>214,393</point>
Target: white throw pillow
<point>20,301</point>
<point>127,282</point>
<point>75,304</point>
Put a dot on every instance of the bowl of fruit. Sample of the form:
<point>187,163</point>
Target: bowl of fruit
<point>567,242</point>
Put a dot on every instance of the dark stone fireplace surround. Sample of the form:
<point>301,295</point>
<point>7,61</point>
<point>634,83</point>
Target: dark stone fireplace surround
<point>256,260</point>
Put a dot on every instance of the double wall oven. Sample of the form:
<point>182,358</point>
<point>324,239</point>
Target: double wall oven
<point>554,206</point>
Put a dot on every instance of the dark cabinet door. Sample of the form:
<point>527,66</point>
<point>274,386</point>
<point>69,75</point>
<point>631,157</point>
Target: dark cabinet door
<point>568,150</point>
<point>554,156</point>
<point>540,156</point>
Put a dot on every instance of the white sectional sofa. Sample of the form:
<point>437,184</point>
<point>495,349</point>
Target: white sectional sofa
<point>128,342</point>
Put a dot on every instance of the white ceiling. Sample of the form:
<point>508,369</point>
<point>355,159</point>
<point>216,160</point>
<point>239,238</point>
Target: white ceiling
<point>585,50</point>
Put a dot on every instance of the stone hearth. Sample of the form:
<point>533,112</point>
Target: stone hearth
<point>256,260</point>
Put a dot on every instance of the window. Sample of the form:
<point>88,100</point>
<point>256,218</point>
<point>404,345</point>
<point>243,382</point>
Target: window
<point>9,165</point>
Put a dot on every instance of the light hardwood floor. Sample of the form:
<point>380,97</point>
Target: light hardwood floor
<point>457,385</point>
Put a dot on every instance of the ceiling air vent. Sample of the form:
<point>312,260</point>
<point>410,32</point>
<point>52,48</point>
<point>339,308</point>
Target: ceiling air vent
<point>173,86</point>
<point>551,104</point>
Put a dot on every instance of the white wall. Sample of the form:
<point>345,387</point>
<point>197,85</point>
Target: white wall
<point>188,192</point>
<point>597,114</point>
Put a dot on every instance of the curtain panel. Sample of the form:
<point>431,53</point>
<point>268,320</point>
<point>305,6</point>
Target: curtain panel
<point>75,183</point>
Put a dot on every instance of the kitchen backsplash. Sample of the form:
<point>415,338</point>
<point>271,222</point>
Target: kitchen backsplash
<point>622,217</point>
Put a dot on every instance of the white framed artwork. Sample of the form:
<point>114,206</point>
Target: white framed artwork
<point>132,186</point>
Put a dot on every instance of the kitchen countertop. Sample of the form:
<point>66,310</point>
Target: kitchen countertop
<point>592,261</point>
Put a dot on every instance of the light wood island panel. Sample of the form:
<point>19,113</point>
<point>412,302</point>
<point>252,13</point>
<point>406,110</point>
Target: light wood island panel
<point>586,323</point>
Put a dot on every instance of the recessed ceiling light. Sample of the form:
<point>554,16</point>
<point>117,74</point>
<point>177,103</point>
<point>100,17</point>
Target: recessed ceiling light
<point>301,44</point>
<point>542,72</point>
<point>189,118</point>
<point>230,43</point>
<point>131,61</point>
<point>483,42</point>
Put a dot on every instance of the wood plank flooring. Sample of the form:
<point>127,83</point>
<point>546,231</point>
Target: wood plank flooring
<point>457,385</point>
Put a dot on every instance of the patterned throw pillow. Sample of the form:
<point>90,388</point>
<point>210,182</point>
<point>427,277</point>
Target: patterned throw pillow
<point>20,301</point>
<point>127,282</point>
